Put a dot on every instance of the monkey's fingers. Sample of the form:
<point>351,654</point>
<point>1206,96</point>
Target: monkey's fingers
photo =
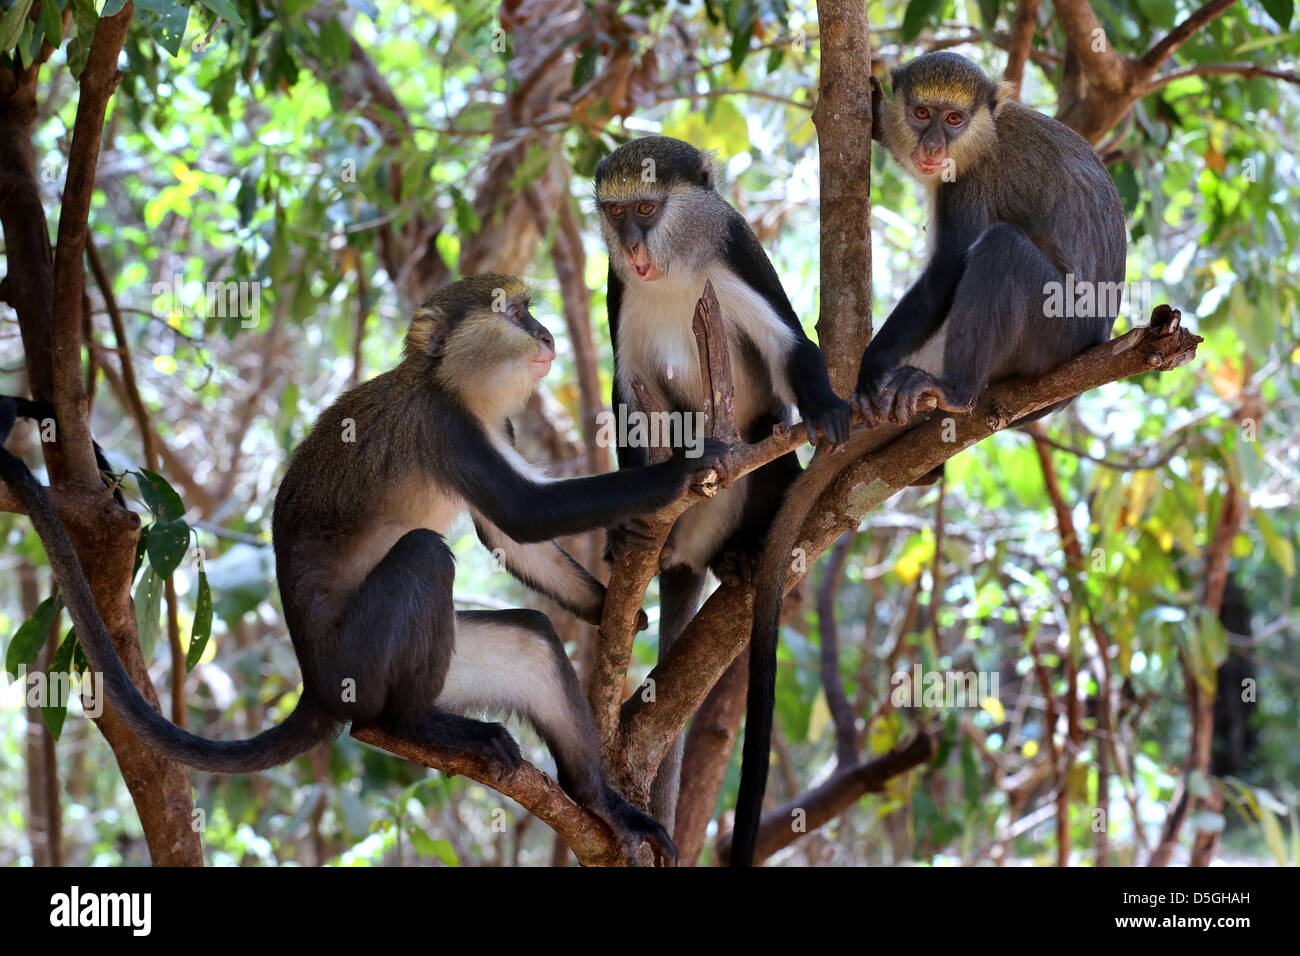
<point>642,622</point>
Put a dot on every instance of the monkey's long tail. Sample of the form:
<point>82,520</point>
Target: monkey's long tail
<point>305,728</point>
<point>769,595</point>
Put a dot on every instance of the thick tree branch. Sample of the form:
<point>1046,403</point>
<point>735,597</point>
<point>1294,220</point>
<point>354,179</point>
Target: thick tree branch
<point>99,80</point>
<point>843,121</point>
<point>591,840</point>
<point>867,475</point>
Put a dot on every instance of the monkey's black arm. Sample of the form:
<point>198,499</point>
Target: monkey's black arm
<point>805,365</point>
<point>39,412</point>
<point>530,509</point>
<point>546,568</point>
<point>627,457</point>
<point>924,306</point>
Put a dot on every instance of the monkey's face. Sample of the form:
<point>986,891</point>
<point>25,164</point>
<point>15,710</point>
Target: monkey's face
<point>628,224</point>
<point>939,119</point>
<point>494,355</point>
<point>656,200</point>
<point>934,127</point>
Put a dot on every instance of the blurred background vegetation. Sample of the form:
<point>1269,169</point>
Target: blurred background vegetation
<point>351,157</point>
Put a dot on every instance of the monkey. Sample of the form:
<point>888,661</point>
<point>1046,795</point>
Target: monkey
<point>1021,208</point>
<point>668,230</point>
<point>365,574</point>
<point>1018,201</point>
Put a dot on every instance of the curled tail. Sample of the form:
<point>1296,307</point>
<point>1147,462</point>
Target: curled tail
<point>769,594</point>
<point>305,728</point>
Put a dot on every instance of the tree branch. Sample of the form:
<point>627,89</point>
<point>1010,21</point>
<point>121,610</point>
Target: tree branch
<point>786,824</point>
<point>1022,38</point>
<point>1180,34</point>
<point>591,840</point>
<point>865,475</point>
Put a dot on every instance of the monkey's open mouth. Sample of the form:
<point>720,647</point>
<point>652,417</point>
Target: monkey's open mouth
<point>639,259</point>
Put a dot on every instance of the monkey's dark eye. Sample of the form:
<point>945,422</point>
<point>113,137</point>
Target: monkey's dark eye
<point>616,211</point>
<point>953,119</point>
<point>645,208</point>
<point>921,113</point>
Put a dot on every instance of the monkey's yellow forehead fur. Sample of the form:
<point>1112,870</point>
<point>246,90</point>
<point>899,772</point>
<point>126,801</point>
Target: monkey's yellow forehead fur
<point>623,189</point>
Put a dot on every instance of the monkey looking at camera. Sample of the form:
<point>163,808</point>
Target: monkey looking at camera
<point>1018,201</point>
<point>365,574</point>
<point>668,231</point>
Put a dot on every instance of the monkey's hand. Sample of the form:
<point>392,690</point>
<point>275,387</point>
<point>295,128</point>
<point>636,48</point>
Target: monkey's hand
<point>902,392</point>
<point>828,423</point>
<point>706,471</point>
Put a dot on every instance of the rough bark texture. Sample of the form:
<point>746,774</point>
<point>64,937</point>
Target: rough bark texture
<point>843,121</point>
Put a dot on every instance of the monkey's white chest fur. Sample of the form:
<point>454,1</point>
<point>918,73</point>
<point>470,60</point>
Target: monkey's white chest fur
<point>656,346</point>
<point>655,340</point>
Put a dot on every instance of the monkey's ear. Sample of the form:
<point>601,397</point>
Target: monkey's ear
<point>428,333</point>
<point>1003,93</point>
<point>707,178</point>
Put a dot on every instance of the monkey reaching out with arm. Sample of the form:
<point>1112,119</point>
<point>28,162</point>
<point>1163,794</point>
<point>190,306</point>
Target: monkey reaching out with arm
<point>1019,202</point>
<point>366,577</point>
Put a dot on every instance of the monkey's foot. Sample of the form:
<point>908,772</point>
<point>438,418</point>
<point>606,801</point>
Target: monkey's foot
<point>623,540</point>
<point>490,741</point>
<point>736,568</point>
<point>737,565</point>
<point>633,828</point>
<point>901,393</point>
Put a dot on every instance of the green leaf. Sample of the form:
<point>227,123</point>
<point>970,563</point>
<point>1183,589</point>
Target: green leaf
<point>426,845</point>
<point>161,497</point>
<point>746,17</point>
<point>26,644</point>
<point>585,67</point>
<point>989,13</point>
<point>12,23</point>
<point>920,13</point>
<point>227,11</point>
<point>53,713</point>
<point>85,20</point>
<point>202,623</point>
<point>148,610</point>
<point>53,21</point>
<point>1280,10</point>
<point>1279,547</point>
<point>165,20</point>
<point>167,543</point>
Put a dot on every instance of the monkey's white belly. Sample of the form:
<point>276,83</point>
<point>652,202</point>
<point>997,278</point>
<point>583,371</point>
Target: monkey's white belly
<point>655,342</point>
<point>655,338</point>
<point>929,357</point>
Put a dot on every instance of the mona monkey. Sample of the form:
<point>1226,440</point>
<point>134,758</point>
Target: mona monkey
<point>1019,201</point>
<point>668,231</point>
<point>365,574</point>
